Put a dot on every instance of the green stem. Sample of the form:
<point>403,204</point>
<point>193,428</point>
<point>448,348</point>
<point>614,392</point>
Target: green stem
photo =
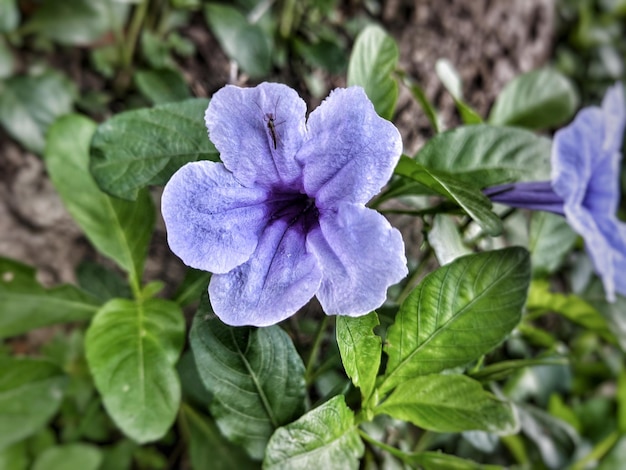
<point>392,450</point>
<point>319,336</point>
<point>135,285</point>
<point>599,451</point>
<point>133,32</point>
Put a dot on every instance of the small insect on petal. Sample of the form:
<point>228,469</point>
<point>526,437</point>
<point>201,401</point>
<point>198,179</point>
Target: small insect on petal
<point>270,121</point>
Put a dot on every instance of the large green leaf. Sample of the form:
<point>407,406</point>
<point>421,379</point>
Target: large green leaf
<point>360,350</point>
<point>29,104</point>
<point>467,196</point>
<point>25,305</point>
<point>119,229</point>
<point>132,348</point>
<point>31,391</point>
<point>76,456</point>
<point>255,375</point>
<point>456,314</point>
<point>535,100</point>
<point>550,240</point>
<point>373,60</point>
<point>485,155</point>
<point>206,444</point>
<point>325,437</point>
<point>449,403</point>
<point>242,41</point>
<point>141,147</point>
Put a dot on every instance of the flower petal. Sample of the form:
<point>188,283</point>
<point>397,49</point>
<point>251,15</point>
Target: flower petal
<point>258,132</point>
<point>351,151</point>
<point>213,222</point>
<point>280,277</point>
<point>614,109</point>
<point>602,252</point>
<point>573,152</point>
<point>586,161</point>
<point>620,265</point>
<point>360,254</point>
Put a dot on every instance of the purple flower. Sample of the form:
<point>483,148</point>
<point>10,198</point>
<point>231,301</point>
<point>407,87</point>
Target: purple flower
<point>283,218</point>
<point>586,157</point>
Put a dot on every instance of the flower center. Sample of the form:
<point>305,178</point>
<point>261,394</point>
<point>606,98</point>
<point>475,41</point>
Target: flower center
<point>297,209</point>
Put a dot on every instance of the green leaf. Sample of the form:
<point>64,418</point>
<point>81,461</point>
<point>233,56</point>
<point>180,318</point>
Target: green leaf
<point>9,16</point>
<point>42,440</point>
<point>465,195</point>
<point>255,375</point>
<point>484,155</point>
<point>132,349</point>
<point>76,22</point>
<point>536,100</point>
<point>451,80</point>
<point>29,104</point>
<point>155,50</point>
<point>118,229</point>
<point>119,456</point>
<point>449,403</point>
<point>325,53</point>
<point>31,391</point>
<point>373,60</point>
<point>325,437</point>
<point>551,239</point>
<point>555,440</point>
<point>14,457</point>
<point>612,312</point>
<point>615,457</point>
<point>445,239</point>
<point>76,456</point>
<point>194,284</point>
<point>570,306</point>
<point>440,461</point>
<point>621,402</point>
<point>243,42</point>
<point>194,391</point>
<point>428,108</point>
<point>138,148</point>
<point>7,61</point>
<point>503,369</point>
<point>206,444</point>
<point>360,350</point>
<point>101,282</point>
<point>162,86</point>
<point>456,314</point>
<point>25,305</point>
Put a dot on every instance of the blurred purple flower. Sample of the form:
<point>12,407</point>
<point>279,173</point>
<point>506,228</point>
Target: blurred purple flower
<point>283,218</point>
<point>586,158</point>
